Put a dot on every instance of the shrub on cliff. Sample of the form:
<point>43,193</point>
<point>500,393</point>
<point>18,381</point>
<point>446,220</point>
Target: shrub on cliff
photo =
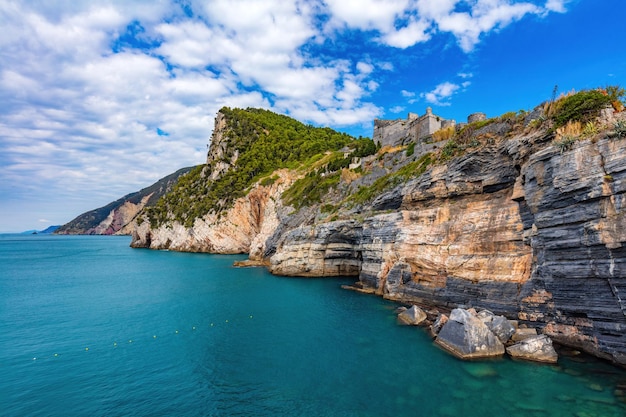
<point>310,189</point>
<point>583,106</point>
<point>413,169</point>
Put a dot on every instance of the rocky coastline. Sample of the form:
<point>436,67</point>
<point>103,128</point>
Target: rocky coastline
<point>517,223</point>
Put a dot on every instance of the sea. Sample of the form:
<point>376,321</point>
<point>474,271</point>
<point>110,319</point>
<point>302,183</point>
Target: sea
<point>91,327</point>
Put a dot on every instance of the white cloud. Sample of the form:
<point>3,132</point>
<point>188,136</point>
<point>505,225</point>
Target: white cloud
<point>404,23</point>
<point>441,93</point>
<point>82,103</point>
<point>397,109</point>
<point>556,6</point>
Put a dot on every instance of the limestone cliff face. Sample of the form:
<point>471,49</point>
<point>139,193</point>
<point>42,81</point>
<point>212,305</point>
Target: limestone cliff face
<point>519,228</point>
<point>244,228</point>
<point>575,218</point>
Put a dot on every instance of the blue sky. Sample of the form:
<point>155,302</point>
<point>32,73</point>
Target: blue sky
<point>102,98</point>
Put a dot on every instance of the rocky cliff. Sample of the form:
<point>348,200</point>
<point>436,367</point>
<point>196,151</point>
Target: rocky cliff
<point>515,214</point>
<point>117,217</point>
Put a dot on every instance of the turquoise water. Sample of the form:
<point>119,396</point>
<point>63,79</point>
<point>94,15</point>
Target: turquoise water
<point>90,327</point>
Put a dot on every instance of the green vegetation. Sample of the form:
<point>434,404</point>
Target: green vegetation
<point>310,189</point>
<point>411,170</point>
<point>449,150</point>
<point>620,128</point>
<point>410,150</point>
<point>363,147</point>
<point>266,182</point>
<point>265,141</point>
<point>337,162</point>
<point>583,106</point>
<point>565,143</point>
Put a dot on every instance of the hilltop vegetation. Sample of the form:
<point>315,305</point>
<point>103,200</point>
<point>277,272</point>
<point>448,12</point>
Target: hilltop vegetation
<point>262,142</point>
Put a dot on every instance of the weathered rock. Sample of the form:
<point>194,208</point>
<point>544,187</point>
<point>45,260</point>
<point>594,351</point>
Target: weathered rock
<point>523,334</point>
<point>412,316</point>
<point>535,348</point>
<point>328,249</point>
<point>466,336</point>
<point>244,228</point>
<point>436,327</point>
<point>499,325</point>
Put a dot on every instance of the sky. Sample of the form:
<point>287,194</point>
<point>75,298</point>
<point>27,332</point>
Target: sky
<point>101,98</point>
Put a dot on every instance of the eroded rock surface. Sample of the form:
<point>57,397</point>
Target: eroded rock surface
<point>466,336</point>
<point>413,316</point>
<point>536,348</point>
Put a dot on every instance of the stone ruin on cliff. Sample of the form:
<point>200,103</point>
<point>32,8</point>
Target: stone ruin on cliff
<point>414,128</point>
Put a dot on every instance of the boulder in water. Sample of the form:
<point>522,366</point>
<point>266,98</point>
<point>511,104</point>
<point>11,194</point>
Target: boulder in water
<point>466,336</point>
<point>499,325</point>
<point>412,316</point>
<point>535,348</point>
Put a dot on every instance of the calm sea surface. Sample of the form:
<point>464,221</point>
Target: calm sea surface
<point>91,327</point>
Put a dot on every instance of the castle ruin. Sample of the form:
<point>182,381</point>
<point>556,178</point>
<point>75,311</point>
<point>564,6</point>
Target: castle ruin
<point>413,128</point>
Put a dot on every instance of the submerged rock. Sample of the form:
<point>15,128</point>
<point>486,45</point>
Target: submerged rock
<point>412,316</point>
<point>535,348</point>
<point>466,336</point>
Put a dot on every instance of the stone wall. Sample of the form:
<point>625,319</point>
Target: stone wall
<point>415,127</point>
<point>391,132</point>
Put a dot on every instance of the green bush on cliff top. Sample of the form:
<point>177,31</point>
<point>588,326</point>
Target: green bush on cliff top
<point>582,106</point>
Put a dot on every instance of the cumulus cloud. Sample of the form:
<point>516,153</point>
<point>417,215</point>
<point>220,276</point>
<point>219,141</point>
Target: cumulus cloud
<point>556,6</point>
<point>108,96</point>
<point>440,94</point>
<point>405,23</point>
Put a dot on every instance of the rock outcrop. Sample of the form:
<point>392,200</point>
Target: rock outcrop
<point>465,335</point>
<point>520,228</point>
<point>536,348</point>
<point>413,316</point>
<point>244,228</point>
<point>119,216</point>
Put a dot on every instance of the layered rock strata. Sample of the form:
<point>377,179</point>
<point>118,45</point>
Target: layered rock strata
<point>519,226</point>
<point>521,229</point>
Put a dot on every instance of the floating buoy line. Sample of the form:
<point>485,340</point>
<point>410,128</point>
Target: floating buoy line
<point>116,344</point>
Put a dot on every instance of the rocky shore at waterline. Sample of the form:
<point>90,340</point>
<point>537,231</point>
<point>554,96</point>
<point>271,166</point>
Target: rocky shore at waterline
<point>471,334</point>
